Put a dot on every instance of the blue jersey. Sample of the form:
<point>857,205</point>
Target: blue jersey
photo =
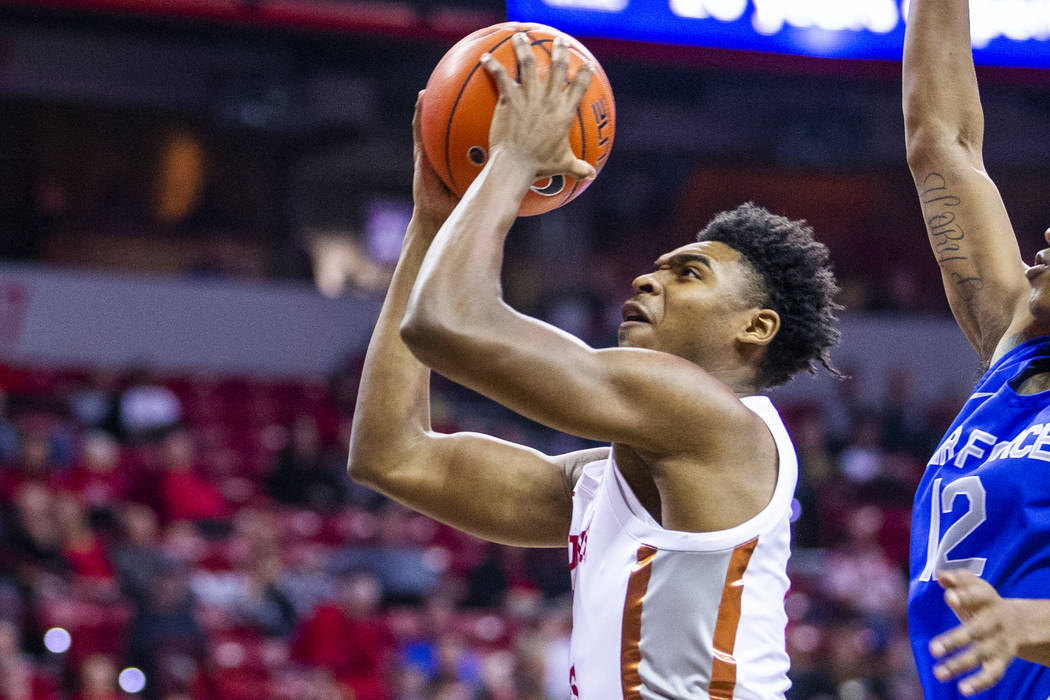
<point>984,505</point>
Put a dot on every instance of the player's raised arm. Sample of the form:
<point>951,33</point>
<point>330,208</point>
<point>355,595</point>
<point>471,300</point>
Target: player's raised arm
<point>490,488</point>
<point>969,230</point>
<point>458,324</point>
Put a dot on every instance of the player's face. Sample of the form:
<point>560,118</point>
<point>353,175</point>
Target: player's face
<point>1039,280</point>
<point>694,304</point>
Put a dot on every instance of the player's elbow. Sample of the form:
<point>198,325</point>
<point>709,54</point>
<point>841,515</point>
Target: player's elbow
<point>432,337</point>
<point>932,142</point>
<point>363,464</point>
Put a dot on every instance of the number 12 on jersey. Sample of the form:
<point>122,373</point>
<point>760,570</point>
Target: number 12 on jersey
<point>943,501</point>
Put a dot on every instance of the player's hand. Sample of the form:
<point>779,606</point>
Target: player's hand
<point>532,117</point>
<point>988,641</point>
<point>433,201</point>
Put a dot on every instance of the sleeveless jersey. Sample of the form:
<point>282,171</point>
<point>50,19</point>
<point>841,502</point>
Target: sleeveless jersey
<point>663,614</point>
<point>984,505</point>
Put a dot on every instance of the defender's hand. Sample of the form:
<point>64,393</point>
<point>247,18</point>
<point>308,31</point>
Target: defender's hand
<point>432,199</point>
<point>992,632</point>
<point>532,117</point>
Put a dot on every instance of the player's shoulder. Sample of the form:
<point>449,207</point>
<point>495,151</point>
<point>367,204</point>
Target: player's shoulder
<point>573,463</point>
<point>1019,334</point>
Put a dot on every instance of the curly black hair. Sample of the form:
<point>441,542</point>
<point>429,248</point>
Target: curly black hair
<point>794,279</point>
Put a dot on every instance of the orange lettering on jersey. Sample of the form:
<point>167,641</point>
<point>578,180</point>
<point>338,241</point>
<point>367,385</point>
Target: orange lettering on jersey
<point>723,668</point>
<point>631,637</point>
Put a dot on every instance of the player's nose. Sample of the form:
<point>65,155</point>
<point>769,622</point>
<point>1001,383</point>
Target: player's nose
<point>1046,236</point>
<point>646,284</point>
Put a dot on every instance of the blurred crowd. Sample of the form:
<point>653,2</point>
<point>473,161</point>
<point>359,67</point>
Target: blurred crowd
<point>199,535</point>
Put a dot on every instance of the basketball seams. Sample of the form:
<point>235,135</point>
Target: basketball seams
<point>466,106</point>
<point>455,104</point>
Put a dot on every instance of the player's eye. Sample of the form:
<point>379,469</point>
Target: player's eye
<point>690,271</point>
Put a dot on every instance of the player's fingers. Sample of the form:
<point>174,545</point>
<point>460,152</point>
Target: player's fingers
<point>582,170</point>
<point>964,661</point>
<point>559,65</point>
<point>967,602</point>
<point>969,594</point>
<point>417,120</point>
<point>504,83</point>
<point>526,61</point>
<point>955,578</point>
<point>991,673</point>
<point>950,641</point>
<point>580,82</point>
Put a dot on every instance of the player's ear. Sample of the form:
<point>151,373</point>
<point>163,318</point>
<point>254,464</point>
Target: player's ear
<point>762,326</point>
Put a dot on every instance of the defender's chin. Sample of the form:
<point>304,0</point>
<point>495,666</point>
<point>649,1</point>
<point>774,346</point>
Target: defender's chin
<point>1039,307</point>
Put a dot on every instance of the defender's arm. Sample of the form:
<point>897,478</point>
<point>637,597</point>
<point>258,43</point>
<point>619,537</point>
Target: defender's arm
<point>969,230</point>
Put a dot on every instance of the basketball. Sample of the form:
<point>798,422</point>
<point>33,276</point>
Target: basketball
<point>461,98</point>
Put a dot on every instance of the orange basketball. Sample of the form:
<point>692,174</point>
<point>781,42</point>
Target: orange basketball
<point>461,98</point>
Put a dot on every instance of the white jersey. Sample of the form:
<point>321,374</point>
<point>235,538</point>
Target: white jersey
<point>663,614</point>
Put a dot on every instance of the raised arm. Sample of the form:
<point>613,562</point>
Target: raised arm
<point>459,324</point>
<point>969,230</point>
<point>487,487</point>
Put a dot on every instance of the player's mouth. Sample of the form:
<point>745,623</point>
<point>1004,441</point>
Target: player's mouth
<point>1039,267</point>
<point>634,313</point>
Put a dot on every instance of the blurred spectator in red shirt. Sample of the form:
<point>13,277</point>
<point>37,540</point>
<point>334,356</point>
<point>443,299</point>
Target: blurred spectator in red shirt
<point>95,476</point>
<point>80,545</point>
<point>185,494</point>
<point>350,637</point>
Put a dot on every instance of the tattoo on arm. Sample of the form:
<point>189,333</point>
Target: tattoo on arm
<point>947,234</point>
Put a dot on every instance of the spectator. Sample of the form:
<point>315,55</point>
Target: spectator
<point>81,547</point>
<point>261,603</point>
<point>164,638</point>
<point>185,494</point>
<point>349,636</point>
<point>396,558</point>
<point>139,556</point>
<point>33,464</point>
<point>98,679</point>
<point>303,475</point>
<point>95,476</point>
<point>35,541</point>
<point>19,678</point>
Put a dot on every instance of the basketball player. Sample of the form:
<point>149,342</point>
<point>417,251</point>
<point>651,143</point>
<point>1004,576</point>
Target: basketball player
<point>981,521</point>
<point>679,533</point>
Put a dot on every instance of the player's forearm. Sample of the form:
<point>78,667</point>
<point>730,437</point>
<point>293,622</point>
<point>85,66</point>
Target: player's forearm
<point>393,405</point>
<point>942,107</point>
<point>457,299</point>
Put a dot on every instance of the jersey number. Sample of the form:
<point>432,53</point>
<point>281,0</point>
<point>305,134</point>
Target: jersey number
<point>942,502</point>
